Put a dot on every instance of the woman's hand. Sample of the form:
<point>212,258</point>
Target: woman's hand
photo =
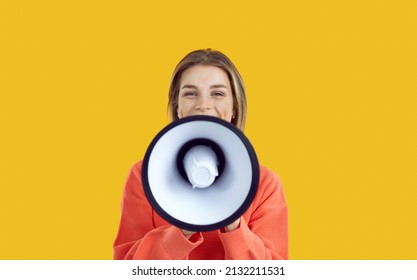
<point>187,233</point>
<point>232,226</point>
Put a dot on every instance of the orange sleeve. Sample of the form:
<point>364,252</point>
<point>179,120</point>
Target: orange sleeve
<point>263,234</point>
<point>137,237</point>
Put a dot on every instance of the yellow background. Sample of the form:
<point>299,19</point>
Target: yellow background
<point>332,100</point>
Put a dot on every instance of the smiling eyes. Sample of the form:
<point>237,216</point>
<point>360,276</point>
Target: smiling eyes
<point>195,94</point>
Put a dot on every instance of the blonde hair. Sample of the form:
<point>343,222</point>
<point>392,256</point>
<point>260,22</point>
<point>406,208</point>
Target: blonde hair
<point>217,59</point>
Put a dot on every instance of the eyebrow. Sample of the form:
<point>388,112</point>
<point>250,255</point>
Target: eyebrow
<point>212,86</point>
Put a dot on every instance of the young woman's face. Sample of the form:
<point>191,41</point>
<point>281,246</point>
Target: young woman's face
<point>205,90</point>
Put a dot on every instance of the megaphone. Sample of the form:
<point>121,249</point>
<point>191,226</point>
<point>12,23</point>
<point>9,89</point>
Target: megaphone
<point>200,173</point>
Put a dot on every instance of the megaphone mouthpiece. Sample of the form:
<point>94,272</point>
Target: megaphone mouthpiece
<point>200,164</point>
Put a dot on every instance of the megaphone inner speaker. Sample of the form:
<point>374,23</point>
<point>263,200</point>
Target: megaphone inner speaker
<point>200,142</point>
<point>200,209</point>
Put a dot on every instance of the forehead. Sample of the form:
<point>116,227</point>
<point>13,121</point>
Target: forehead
<point>204,75</point>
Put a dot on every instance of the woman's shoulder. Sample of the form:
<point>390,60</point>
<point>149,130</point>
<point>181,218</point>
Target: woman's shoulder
<point>266,173</point>
<point>270,186</point>
<point>137,167</point>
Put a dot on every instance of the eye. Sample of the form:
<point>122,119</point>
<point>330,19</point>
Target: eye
<point>217,93</point>
<point>189,93</point>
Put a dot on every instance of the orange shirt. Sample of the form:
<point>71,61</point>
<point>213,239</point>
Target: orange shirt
<point>262,234</point>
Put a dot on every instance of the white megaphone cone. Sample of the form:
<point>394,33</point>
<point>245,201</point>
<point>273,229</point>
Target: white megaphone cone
<point>200,173</point>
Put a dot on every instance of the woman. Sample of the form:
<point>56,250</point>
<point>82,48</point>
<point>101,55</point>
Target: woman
<point>205,82</point>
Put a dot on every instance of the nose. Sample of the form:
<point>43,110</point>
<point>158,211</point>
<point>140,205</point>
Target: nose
<point>203,105</point>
